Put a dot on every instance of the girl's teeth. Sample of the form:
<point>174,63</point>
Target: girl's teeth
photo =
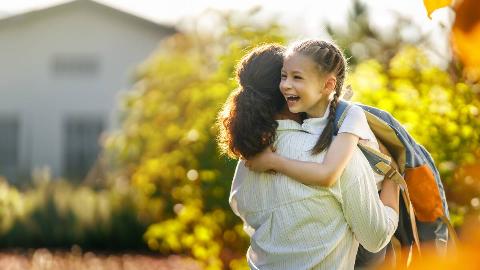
<point>293,98</point>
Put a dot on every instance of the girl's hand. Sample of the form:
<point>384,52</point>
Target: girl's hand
<point>263,162</point>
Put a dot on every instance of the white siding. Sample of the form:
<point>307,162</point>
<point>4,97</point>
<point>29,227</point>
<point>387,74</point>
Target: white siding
<point>9,131</point>
<point>31,88</point>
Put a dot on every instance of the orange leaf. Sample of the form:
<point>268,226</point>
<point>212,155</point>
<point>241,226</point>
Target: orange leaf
<point>432,5</point>
<point>465,37</point>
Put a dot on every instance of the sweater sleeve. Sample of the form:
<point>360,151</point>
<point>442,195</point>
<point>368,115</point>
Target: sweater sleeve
<point>372,223</point>
<point>236,182</point>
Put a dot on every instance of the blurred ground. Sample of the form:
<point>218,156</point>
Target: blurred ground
<point>75,260</point>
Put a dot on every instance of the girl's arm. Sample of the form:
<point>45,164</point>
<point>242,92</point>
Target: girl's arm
<point>325,173</point>
<point>310,173</point>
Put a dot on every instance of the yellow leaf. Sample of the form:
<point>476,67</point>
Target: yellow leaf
<point>465,37</point>
<point>432,5</point>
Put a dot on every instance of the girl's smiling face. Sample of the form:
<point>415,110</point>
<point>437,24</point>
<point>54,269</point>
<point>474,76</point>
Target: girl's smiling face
<point>304,87</point>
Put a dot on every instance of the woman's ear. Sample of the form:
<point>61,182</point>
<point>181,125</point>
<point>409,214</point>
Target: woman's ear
<point>330,83</point>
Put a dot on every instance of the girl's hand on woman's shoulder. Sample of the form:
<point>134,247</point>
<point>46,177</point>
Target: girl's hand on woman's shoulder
<point>263,162</point>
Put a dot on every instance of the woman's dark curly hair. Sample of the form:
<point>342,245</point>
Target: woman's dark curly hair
<point>246,122</point>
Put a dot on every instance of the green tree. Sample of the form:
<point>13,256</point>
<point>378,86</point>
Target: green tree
<point>441,114</point>
<point>167,144</point>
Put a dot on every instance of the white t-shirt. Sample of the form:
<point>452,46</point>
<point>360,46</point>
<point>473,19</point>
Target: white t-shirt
<point>355,122</point>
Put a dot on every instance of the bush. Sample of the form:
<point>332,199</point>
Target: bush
<point>59,214</point>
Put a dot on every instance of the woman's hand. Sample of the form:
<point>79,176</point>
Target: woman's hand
<point>263,162</point>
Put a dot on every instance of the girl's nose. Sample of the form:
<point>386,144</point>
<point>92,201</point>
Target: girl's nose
<point>285,84</point>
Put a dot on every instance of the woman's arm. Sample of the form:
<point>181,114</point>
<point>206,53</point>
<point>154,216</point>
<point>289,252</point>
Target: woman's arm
<point>310,173</point>
<point>372,222</point>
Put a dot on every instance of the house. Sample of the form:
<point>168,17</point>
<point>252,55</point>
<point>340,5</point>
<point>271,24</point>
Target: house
<point>62,69</point>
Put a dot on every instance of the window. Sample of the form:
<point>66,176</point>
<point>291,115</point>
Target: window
<point>81,145</point>
<point>9,133</point>
<point>75,65</point>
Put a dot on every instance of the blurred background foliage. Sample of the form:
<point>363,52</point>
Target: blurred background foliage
<point>59,214</point>
<point>167,146</point>
<point>441,114</point>
<point>166,187</point>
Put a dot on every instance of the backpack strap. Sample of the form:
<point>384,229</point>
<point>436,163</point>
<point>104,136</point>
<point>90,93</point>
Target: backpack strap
<point>413,222</point>
<point>381,164</point>
<point>340,114</point>
<point>451,232</point>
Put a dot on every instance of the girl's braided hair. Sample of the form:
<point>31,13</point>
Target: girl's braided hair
<point>330,60</point>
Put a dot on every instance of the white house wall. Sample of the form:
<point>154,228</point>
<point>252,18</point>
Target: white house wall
<point>30,89</point>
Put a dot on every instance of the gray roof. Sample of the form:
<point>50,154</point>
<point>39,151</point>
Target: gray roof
<point>69,4</point>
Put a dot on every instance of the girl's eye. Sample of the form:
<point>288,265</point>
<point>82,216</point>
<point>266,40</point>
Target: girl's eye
<point>297,77</point>
<point>283,76</point>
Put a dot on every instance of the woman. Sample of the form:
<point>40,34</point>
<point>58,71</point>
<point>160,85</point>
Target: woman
<point>293,225</point>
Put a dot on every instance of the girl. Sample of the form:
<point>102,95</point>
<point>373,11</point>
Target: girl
<point>311,72</point>
<point>291,225</point>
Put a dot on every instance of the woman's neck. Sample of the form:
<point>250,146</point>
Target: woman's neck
<point>285,114</point>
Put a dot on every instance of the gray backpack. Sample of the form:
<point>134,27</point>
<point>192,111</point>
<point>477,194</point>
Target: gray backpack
<point>423,206</point>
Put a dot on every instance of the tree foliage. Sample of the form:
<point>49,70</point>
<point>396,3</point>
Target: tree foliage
<point>441,114</point>
<point>167,144</point>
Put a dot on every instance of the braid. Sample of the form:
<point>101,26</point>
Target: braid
<point>330,59</point>
<point>327,135</point>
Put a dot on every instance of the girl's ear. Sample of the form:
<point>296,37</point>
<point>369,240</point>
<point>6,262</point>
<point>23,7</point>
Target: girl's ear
<point>330,83</point>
